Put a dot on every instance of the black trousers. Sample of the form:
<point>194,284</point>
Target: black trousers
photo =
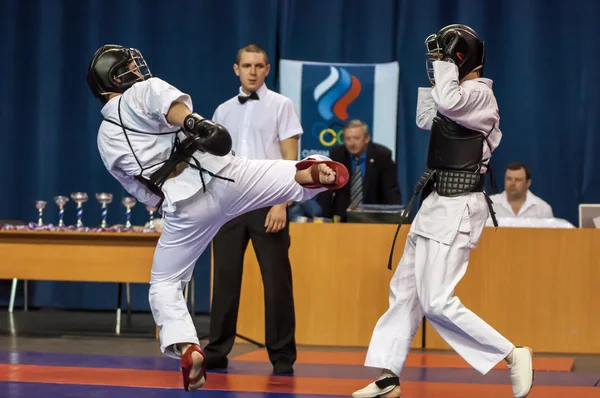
<point>229,246</point>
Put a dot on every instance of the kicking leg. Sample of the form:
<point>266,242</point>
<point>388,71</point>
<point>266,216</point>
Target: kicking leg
<point>263,183</point>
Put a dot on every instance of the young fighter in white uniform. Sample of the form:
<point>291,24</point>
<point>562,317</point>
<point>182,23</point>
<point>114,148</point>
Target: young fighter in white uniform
<point>462,113</point>
<point>192,174</point>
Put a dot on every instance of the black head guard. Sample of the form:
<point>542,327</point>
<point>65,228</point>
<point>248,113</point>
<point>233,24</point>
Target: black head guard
<point>115,69</point>
<point>470,49</point>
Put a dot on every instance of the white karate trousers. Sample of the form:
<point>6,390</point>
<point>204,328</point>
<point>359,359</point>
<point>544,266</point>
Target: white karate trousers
<point>423,284</point>
<point>191,227</point>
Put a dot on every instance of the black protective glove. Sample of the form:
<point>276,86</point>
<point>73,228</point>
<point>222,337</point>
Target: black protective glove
<point>207,135</point>
<point>455,48</point>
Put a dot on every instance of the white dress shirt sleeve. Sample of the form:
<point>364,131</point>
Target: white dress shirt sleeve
<point>425,108</point>
<point>288,122</point>
<point>217,115</point>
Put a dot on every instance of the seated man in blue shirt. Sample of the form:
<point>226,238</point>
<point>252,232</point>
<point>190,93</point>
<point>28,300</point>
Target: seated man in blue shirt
<point>373,174</point>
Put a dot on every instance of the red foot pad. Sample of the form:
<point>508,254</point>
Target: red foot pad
<point>341,178</point>
<point>187,363</point>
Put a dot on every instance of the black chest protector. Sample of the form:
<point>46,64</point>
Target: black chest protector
<point>455,153</point>
<point>454,147</point>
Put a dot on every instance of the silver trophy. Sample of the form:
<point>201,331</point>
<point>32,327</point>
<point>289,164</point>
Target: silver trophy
<point>128,202</point>
<point>80,198</point>
<point>40,204</point>
<point>61,201</point>
<point>151,210</point>
<point>105,199</point>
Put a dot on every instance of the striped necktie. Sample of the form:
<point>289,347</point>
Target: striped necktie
<point>356,193</point>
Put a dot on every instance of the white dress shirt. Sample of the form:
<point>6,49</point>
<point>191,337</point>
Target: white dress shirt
<point>471,104</point>
<point>257,127</point>
<point>534,207</point>
<point>144,108</point>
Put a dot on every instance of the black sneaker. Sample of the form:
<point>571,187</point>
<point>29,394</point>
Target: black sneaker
<point>283,369</point>
<point>216,363</point>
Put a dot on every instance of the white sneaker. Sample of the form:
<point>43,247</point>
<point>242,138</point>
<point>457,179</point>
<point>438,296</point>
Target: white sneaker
<point>521,371</point>
<point>379,388</point>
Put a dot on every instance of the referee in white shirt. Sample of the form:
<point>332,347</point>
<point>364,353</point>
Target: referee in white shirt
<point>263,125</point>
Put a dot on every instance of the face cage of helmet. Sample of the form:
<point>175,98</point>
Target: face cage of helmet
<point>434,53</point>
<point>136,65</point>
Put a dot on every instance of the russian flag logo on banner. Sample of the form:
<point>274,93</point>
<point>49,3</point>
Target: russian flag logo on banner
<point>327,96</point>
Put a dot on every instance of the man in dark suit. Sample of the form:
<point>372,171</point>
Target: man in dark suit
<point>373,174</point>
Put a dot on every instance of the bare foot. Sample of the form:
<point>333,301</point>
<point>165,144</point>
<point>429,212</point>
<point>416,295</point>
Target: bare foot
<point>196,378</point>
<point>197,360</point>
<point>326,174</point>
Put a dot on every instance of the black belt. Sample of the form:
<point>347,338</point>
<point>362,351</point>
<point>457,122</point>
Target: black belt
<point>418,188</point>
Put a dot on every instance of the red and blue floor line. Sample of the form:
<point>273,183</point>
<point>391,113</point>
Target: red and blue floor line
<point>317,374</point>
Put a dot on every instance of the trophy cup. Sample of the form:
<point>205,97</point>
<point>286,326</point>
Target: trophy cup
<point>128,202</point>
<point>105,199</point>
<point>40,204</point>
<point>61,201</point>
<point>151,210</point>
<point>80,198</point>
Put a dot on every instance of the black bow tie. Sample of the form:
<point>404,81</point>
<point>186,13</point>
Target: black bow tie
<point>243,99</point>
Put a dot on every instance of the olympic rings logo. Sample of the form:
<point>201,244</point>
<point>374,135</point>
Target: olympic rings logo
<point>328,135</point>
